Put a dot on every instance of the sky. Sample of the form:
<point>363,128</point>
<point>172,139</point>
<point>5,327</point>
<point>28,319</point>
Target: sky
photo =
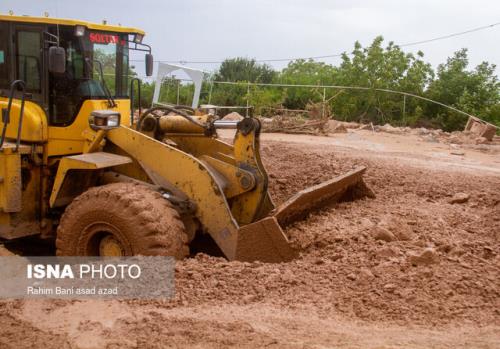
<point>212,30</point>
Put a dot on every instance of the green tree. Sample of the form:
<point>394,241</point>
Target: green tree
<point>240,70</point>
<point>244,69</point>
<point>306,72</point>
<point>377,67</point>
<point>475,91</point>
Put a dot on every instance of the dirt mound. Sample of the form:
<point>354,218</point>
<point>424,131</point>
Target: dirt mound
<point>234,116</point>
<point>408,257</point>
<point>15,334</point>
<point>391,129</point>
<point>287,176</point>
<point>335,124</point>
<point>441,264</point>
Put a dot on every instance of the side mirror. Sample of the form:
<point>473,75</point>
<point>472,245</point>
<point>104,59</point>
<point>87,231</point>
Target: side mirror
<point>149,64</point>
<point>57,60</point>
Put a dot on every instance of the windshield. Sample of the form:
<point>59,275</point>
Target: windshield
<point>111,51</point>
<point>85,56</point>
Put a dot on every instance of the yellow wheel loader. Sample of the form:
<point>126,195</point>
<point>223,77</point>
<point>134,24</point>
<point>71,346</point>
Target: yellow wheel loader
<point>76,167</point>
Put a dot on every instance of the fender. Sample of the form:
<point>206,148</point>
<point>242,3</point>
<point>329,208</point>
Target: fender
<point>69,171</point>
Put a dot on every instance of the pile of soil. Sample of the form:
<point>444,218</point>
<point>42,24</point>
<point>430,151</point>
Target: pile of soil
<point>407,255</point>
<point>420,260</point>
<point>233,116</point>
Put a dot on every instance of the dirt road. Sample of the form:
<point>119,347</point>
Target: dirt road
<point>416,267</point>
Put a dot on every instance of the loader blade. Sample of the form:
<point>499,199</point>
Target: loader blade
<point>265,240</point>
<point>333,190</point>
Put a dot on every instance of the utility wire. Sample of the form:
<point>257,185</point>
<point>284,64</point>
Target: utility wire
<point>339,87</point>
<point>337,54</point>
<point>342,87</point>
<point>450,35</point>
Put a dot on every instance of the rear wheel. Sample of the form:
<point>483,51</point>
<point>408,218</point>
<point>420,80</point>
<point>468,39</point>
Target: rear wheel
<point>121,219</point>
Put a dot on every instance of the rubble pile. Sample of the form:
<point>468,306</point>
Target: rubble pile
<point>314,120</point>
<point>300,124</point>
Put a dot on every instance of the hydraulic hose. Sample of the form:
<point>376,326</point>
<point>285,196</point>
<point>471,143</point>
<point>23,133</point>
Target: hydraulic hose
<point>173,110</point>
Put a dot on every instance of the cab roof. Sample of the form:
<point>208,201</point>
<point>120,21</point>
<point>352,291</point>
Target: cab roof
<point>71,22</point>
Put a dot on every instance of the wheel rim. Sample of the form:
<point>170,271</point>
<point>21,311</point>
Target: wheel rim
<point>103,239</point>
<point>109,246</point>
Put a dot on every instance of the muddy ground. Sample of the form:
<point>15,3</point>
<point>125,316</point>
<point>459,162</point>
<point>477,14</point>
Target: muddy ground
<point>407,269</point>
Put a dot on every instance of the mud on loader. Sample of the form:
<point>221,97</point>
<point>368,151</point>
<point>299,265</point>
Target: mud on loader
<point>76,166</point>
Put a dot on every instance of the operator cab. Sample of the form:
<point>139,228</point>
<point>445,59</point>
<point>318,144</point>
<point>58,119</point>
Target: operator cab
<point>91,63</point>
<point>87,57</point>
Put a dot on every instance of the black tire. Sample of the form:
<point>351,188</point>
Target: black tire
<point>133,217</point>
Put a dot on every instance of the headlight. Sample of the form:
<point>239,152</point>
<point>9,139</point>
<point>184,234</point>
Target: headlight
<point>138,38</point>
<point>104,119</point>
<point>79,30</point>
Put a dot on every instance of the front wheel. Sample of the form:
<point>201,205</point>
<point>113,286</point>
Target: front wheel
<point>121,219</point>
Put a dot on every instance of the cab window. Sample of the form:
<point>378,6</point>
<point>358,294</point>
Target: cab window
<point>82,79</point>
<point>4,56</point>
<point>29,60</point>
<point>111,51</point>
<point>65,95</point>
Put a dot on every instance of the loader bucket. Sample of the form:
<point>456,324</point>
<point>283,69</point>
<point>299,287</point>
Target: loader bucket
<point>346,186</point>
<point>265,240</point>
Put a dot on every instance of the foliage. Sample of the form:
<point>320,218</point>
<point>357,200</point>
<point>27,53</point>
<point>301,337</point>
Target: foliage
<point>243,69</point>
<point>108,62</point>
<point>266,99</point>
<point>147,90</point>
<point>476,91</point>
<point>302,72</point>
<point>372,69</point>
<point>376,67</point>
